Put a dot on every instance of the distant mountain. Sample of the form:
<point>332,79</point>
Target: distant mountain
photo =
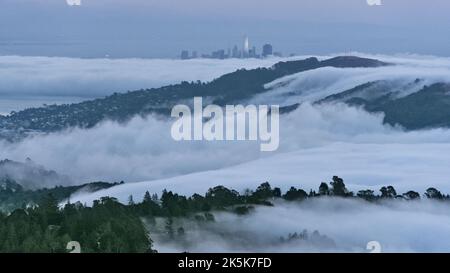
<point>30,175</point>
<point>427,108</point>
<point>230,88</point>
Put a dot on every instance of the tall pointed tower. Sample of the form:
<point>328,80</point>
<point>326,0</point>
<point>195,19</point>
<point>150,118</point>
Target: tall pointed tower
<point>246,46</point>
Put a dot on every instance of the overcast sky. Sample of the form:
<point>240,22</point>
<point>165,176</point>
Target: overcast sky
<point>162,28</point>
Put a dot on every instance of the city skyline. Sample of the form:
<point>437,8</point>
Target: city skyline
<point>160,29</point>
<point>246,51</point>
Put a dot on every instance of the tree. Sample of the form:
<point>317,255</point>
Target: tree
<point>411,195</point>
<point>366,195</point>
<point>264,191</point>
<point>388,192</point>
<point>294,194</point>
<point>276,192</point>
<point>147,197</point>
<point>433,193</point>
<point>323,189</point>
<point>50,209</point>
<point>169,227</point>
<point>49,203</point>
<point>131,201</point>
<point>221,196</point>
<point>338,187</point>
<point>155,197</point>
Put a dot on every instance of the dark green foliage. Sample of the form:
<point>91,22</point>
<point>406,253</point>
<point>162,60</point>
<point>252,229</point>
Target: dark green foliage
<point>109,226</point>
<point>338,188</point>
<point>323,189</point>
<point>243,210</point>
<point>411,195</point>
<point>293,194</point>
<point>106,227</point>
<point>388,192</point>
<point>433,193</point>
<point>169,228</point>
<point>366,195</point>
<point>220,196</point>
<point>264,191</point>
<point>174,204</point>
<point>276,192</point>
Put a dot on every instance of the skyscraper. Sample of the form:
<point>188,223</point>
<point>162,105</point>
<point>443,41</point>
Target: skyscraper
<point>236,53</point>
<point>267,50</point>
<point>246,47</point>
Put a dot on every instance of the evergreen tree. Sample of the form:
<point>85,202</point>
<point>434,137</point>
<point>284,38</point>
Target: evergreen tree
<point>147,197</point>
<point>411,195</point>
<point>366,195</point>
<point>338,187</point>
<point>169,227</point>
<point>131,201</point>
<point>276,192</point>
<point>323,189</point>
<point>264,191</point>
<point>433,193</point>
<point>388,192</point>
<point>294,194</point>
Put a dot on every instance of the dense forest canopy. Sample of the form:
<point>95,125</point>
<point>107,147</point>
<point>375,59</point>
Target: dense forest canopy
<point>110,226</point>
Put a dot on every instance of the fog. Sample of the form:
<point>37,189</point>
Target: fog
<point>60,80</point>
<point>399,226</point>
<point>316,142</point>
<point>319,83</point>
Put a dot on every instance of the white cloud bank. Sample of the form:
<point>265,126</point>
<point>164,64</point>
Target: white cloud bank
<point>341,136</point>
<point>319,83</point>
<point>398,226</point>
<point>59,77</point>
<point>317,142</point>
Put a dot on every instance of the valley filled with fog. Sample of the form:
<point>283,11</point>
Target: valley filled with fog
<point>317,141</point>
<point>342,226</point>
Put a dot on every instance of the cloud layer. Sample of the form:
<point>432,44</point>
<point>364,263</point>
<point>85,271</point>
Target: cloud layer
<point>398,226</point>
<point>59,77</point>
<point>319,83</point>
<point>316,143</point>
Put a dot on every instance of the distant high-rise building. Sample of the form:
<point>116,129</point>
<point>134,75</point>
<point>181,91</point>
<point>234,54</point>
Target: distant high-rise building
<point>267,50</point>
<point>252,53</point>
<point>235,53</point>
<point>246,48</point>
<point>247,51</point>
<point>184,55</point>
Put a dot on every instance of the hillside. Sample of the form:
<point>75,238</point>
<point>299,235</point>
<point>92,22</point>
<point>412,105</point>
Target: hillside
<point>230,88</point>
<point>427,108</point>
<point>30,175</point>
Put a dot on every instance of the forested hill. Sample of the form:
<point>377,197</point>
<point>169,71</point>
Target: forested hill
<point>228,88</point>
